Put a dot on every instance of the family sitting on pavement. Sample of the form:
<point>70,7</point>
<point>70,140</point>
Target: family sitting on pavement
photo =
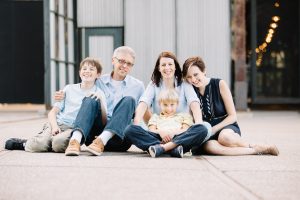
<point>106,112</point>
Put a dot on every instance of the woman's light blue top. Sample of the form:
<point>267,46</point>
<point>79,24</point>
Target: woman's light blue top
<point>185,92</point>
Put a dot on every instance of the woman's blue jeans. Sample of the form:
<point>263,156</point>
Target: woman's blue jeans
<point>89,122</point>
<point>143,139</point>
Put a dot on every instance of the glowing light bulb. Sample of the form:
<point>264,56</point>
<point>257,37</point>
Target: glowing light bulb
<point>276,18</point>
<point>273,25</point>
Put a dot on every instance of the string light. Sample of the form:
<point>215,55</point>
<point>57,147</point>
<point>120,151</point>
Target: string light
<point>268,39</point>
<point>275,18</point>
<point>273,25</point>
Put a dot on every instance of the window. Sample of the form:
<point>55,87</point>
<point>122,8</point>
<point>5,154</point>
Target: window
<point>62,59</point>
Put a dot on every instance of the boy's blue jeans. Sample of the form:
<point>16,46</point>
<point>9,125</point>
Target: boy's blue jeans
<point>89,122</point>
<point>143,139</point>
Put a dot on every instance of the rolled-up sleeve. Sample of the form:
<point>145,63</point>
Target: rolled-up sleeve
<point>141,91</point>
<point>61,104</point>
<point>149,94</point>
<point>190,93</point>
<point>103,99</point>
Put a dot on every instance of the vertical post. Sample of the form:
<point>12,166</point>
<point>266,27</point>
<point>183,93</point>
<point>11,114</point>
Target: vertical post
<point>253,46</point>
<point>239,54</point>
<point>47,72</point>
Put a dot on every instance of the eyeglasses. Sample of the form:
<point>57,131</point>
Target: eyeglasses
<point>123,62</point>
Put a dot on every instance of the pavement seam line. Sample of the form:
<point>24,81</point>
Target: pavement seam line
<point>20,120</point>
<point>245,192</point>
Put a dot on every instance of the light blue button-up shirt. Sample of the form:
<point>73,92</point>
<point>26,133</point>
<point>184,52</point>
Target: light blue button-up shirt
<point>69,107</point>
<point>185,91</point>
<point>130,87</point>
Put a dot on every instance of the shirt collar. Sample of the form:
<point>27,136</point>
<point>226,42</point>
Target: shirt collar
<point>164,116</point>
<point>109,79</point>
<point>163,84</point>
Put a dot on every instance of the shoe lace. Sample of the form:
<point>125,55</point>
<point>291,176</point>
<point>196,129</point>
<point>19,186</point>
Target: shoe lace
<point>98,143</point>
<point>73,142</point>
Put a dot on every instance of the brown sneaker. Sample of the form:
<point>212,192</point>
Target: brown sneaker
<point>73,148</point>
<point>266,149</point>
<point>97,147</point>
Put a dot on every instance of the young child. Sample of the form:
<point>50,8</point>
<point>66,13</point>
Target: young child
<point>169,123</point>
<point>56,133</point>
<point>169,131</point>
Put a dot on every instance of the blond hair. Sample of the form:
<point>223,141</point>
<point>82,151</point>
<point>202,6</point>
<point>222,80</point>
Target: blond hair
<point>169,95</point>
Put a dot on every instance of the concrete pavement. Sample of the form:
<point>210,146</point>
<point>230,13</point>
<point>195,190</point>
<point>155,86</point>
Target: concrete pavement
<point>135,175</point>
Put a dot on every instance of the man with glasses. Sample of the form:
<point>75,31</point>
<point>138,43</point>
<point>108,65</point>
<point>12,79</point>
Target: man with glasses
<point>122,93</point>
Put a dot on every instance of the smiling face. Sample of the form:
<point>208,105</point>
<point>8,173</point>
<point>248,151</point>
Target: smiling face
<point>123,63</point>
<point>88,72</point>
<point>167,68</point>
<point>195,76</point>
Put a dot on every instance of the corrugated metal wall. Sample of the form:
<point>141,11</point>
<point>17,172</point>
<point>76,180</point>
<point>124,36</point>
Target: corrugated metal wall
<point>149,29</point>
<point>187,28</point>
<point>101,47</point>
<point>99,13</point>
<point>203,29</point>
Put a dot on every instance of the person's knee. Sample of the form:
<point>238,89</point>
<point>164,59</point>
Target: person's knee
<point>38,144</point>
<point>89,101</point>
<point>128,100</point>
<point>211,146</point>
<point>130,130</point>
<point>200,130</point>
<point>226,137</point>
<point>59,144</point>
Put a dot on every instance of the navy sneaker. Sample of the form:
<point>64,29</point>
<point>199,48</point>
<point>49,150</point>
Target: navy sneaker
<point>15,144</point>
<point>156,150</point>
<point>177,152</point>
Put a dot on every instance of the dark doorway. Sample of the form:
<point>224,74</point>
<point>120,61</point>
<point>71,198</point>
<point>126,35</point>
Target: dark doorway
<point>22,52</point>
<point>274,29</point>
<point>101,42</point>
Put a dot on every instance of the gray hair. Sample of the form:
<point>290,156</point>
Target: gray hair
<point>124,50</point>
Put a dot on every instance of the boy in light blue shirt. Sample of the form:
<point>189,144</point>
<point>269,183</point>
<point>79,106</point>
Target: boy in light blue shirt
<point>56,133</point>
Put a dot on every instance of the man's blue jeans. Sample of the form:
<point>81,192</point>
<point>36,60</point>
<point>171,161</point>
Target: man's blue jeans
<point>143,139</point>
<point>89,123</point>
